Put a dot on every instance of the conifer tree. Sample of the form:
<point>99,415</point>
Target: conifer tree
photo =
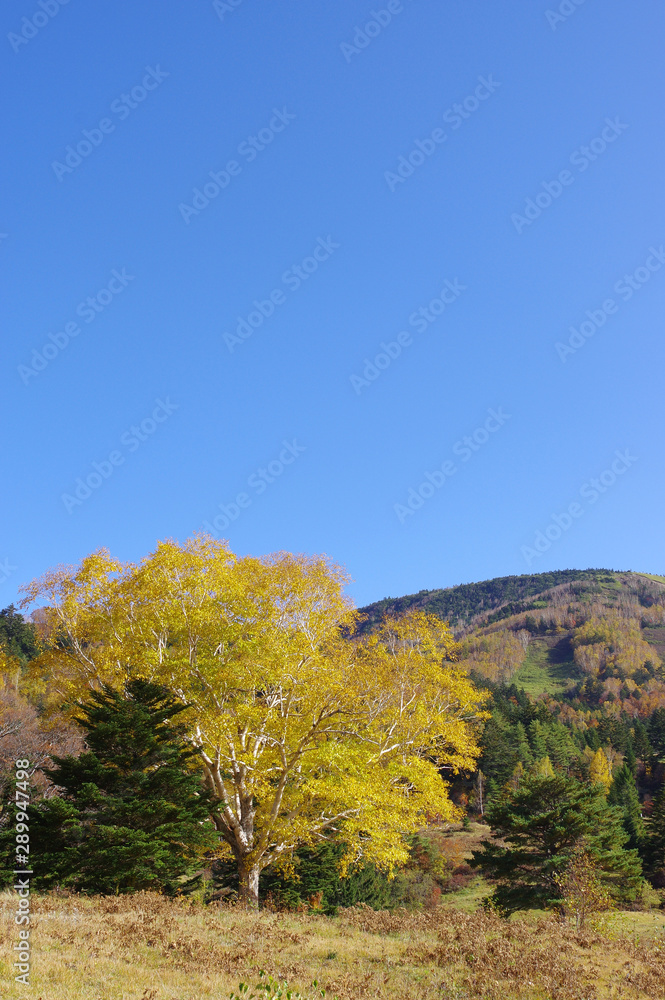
<point>657,732</point>
<point>132,812</point>
<point>654,847</point>
<point>641,743</point>
<point>623,794</point>
<point>522,749</point>
<point>536,830</point>
<point>538,738</point>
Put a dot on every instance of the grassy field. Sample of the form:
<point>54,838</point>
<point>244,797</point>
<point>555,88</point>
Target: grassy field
<point>548,667</point>
<point>654,576</point>
<point>145,947</point>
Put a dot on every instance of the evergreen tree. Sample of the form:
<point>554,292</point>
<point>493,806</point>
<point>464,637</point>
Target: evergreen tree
<point>499,757</point>
<point>132,813</point>
<point>631,757</point>
<point>538,739</point>
<point>654,847</point>
<point>17,636</point>
<point>522,750</point>
<point>623,794</point>
<point>657,732</point>
<point>560,746</point>
<point>538,827</point>
<point>641,742</point>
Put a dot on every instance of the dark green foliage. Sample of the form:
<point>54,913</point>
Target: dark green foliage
<point>131,813</point>
<point>458,604</point>
<point>656,732</point>
<point>541,824</point>
<point>623,793</point>
<point>640,742</point>
<point>316,882</point>
<point>654,847</point>
<point>17,636</point>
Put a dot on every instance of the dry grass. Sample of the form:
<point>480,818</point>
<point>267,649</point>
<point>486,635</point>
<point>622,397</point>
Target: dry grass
<point>149,948</point>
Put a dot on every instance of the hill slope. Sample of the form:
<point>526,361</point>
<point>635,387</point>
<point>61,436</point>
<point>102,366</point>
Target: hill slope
<point>595,637</point>
<point>458,605</point>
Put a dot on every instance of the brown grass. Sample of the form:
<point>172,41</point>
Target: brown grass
<point>150,948</point>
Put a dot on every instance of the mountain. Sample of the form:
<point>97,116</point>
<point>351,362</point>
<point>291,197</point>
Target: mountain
<point>459,605</point>
<point>593,638</point>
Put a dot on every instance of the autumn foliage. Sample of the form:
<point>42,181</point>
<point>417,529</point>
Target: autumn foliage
<point>304,731</point>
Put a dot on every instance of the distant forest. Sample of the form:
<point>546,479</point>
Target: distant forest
<point>459,604</point>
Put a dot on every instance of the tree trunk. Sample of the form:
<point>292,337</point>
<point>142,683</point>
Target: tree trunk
<point>249,886</point>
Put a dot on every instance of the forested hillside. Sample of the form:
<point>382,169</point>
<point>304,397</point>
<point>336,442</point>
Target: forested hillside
<point>574,664</point>
<point>459,605</point>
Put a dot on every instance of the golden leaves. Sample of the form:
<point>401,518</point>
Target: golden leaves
<point>305,730</point>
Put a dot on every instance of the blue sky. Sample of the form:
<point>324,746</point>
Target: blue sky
<point>414,203</point>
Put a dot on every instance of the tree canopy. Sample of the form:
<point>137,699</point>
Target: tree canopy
<point>305,731</point>
<point>537,829</point>
<point>130,812</point>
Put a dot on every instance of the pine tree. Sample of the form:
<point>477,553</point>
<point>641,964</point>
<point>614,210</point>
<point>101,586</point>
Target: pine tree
<point>560,746</point>
<point>522,750</point>
<point>641,742</point>
<point>654,847</point>
<point>623,794</point>
<point>657,731</point>
<point>132,813</point>
<point>538,739</point>
<point>536,830</point>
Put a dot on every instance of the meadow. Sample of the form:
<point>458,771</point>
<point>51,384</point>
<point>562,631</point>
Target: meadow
<point>148,947</point>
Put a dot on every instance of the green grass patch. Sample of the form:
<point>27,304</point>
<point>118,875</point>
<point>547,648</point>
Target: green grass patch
<point>470,898</point>
<point>653,576</point>
<point>543,670</point>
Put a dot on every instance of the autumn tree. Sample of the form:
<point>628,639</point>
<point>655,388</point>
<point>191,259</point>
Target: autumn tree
<point>582,891</point>
<point>600,772</point>
<point>305,732</point>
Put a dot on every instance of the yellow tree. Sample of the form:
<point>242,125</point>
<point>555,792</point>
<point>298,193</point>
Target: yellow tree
<point>305,732</point>
<point>583,891</point>
<point>600,771</point>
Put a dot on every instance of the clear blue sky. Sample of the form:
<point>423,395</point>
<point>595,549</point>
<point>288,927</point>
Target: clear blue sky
<point>353,191</point>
